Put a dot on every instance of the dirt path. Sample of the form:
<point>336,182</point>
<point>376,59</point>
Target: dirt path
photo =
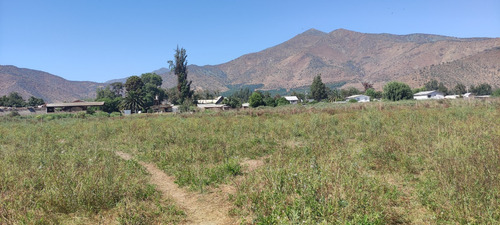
<point>211,208</point>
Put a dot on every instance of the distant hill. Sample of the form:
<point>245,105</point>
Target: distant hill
<point>349,57</point>
<point>43,85</point>
<point>341,57</point>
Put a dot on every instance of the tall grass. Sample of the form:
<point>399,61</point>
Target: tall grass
<point>57,171</point>
<point>376,163</point>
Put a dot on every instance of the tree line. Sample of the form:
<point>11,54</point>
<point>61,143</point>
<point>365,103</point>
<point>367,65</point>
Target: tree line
<point>392,91</point>
<point>14,99</point>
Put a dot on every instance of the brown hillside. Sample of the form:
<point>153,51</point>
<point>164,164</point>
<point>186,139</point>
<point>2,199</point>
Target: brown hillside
<point>353,57</point>
<point>43,85</point>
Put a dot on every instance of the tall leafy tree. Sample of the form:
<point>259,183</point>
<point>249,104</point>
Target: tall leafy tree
<point>442,88</point>
<point>134,83</point>
<point>180,70</point>
<point>152,78</point>
<point>256,99</point>
<point>396,91</point>
<point>34,101</point>
<point>460,89</point>
<point>318,89</point>
<point>482,89</point>
<point>15,99</point>
<point>117,88</point>
<point>432,85</point>
<point>152,88</point>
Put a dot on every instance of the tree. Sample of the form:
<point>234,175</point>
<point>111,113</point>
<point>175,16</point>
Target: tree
<point>432,85</point>
<point>15,100</point>
<point>396,91</point>
<point>117,88</point>
<point>152,89</point>
<point>243,94</point>
<point>232,102</point>
<point>459,89</point>
<point>180,70</point>
<point>111,104</point>
<point>256,99</point>
<point>269,101</point>
<point>496,93</point>
<point>133,101</point>
<point>106,93</point>
<point>134,83</point>
<point>318,89</point>
<point>371,92</point>
<point>442,88</point>
<point>282,101</point>
<point>482,89</point>
<point>33,101</point>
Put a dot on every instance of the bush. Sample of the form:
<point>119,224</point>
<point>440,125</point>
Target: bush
<point>352,100</point>
<point>396,91</point>
<point>256,100</point>
<point>14,114</point>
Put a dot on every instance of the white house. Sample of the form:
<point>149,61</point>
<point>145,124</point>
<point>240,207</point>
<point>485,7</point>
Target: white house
<point>423,95</point>
<point>359,98</point>
<point>451,96</point>
<point>292,99</point>
<point>218,100</point>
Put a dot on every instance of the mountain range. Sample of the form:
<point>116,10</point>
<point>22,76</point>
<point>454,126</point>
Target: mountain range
<point>341,56</point>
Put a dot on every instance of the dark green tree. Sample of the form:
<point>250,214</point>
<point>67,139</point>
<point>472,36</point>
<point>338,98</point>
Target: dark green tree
<point>133,101</point>
<point>243,94</point>
<point>496,93</point>
<point>180,70</point>
<point>442,88</point>
<point>152,78</point>
<point>15,100</point>
<point>3,101</point>
<point>34,101</point>
<point>282,101</point>
<point>371,92</point>
<point>269,101</point>
<point>134,83</point>
<point>232,102</point>
<point>482,89</point>
<point>396,91</point>
<point>460,89</point>
<point>111,104</point>
<point>106,93</point>
<point>117,88</point>
<point>256,99</point>
<point>152,90</point>
<point>432,85</point>
<point>318,89</point>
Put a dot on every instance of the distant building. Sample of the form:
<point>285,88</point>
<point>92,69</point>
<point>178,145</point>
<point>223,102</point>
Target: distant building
<point>218,100</point>
<point>423,95</point>
<point>359,98</point>
<point>292,99</point>
<point>452,96</point>
<point>213,106</point>
<point>245,105</point>
<point>75,106</point>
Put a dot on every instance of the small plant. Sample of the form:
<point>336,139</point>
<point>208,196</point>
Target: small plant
<point>14,114</point>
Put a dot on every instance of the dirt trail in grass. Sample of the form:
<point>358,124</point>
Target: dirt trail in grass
<point>211,208</point>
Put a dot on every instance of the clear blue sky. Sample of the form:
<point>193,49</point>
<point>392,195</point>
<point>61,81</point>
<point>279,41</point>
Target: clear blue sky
<point>99,40</point>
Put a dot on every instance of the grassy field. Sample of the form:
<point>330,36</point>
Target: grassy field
<point>375,163</point>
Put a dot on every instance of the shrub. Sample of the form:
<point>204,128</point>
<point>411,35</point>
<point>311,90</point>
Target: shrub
<point>396,91</point>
